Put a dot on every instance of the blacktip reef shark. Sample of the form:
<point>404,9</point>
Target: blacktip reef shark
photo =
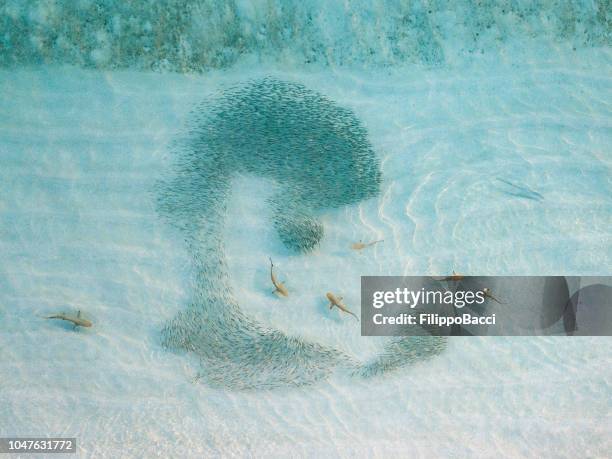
<point>452,278</point>
<point>337,301</point>
<point>279,287</point>
<point>361,245</point>
<point>487,294</point>
<point>77,320</point>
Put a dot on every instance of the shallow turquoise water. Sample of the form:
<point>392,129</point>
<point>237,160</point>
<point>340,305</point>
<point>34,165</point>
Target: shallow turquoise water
<point>491,164</point>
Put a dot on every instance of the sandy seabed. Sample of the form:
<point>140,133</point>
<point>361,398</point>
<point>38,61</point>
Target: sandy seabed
<point>462,153</point>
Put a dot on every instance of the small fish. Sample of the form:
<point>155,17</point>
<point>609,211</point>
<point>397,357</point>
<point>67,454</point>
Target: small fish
<point>279,287</point>
<point>337,301</point>
<point>361,245</point>
<point>77,320</point>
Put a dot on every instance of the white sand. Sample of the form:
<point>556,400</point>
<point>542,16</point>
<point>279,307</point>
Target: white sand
<point>80,152</point>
